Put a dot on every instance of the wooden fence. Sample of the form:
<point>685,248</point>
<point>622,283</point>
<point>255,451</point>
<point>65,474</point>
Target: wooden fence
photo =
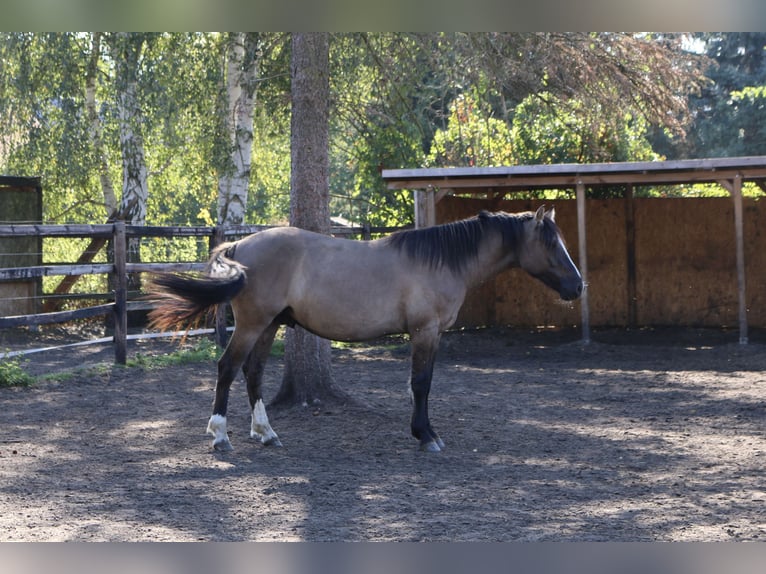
<point>119,268</point>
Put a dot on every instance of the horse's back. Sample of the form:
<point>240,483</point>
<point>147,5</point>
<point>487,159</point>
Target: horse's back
<point>338,288</point>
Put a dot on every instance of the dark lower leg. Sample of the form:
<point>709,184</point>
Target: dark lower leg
<point>228,365</point>
<point>422,372</point>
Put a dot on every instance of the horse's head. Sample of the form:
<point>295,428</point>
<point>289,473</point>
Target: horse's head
<point>544,256</point>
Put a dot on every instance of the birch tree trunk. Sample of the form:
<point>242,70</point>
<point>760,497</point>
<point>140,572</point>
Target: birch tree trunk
<point>95,130</point>
<point>241,85</point>
<point>135,187</point>
<point>307,377</point>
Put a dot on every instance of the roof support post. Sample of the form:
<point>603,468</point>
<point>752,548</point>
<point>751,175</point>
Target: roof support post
<point>735,188</point>
<point>425,208</point>
<point>583,256</point>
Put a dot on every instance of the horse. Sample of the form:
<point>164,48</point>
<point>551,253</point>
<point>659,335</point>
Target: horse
<point>411,281</point>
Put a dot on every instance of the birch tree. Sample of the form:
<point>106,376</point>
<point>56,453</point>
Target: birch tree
<point>242,62</point>
<point>126,51</point>
<point>96,129</point>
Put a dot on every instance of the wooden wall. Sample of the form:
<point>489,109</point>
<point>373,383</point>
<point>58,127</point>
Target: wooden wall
<point>20,204</point>
<point>684,271</point>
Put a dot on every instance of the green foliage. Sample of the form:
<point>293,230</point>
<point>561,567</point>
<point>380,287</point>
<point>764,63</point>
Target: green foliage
<point>12,373</point>
<point>547,129</point>
<point>473,137</point>
<point>399,100</point>
<point>269,194</point>
<point>201,350</point>
<point>378,121</point>
<point>729,111</point>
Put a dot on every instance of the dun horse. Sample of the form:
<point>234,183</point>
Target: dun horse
<point>409,282</point>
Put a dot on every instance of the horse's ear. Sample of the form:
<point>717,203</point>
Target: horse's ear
<point>551,214</point>
<point>540,214</point>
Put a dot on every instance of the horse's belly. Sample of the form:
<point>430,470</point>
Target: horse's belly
<point>341,321</point>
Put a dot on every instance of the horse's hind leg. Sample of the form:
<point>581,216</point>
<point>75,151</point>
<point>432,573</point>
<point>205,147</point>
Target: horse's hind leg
<point>424,346</point>
<point>233,357</point>
<point>253,368</point>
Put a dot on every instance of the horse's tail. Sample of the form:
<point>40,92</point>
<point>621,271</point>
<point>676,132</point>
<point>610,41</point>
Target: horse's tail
<point>182,298</point>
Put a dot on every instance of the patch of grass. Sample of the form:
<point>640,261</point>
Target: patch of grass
<point>391,343</point>
<point>96,369</point>
<point>12,373</point>
<point>203,350</point>
<point>278,348</point>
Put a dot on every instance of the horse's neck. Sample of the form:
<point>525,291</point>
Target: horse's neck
<point>492,258</point>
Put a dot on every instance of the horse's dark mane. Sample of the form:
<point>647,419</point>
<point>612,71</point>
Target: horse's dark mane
<point>457,243</point>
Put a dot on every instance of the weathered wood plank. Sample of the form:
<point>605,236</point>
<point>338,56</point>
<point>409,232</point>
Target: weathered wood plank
<point>169,232</point>
<point>57,317</point>
<point>179,267</point>
<point>749,163</point>
<point>525,182</point>
<point>24,273</point>
<point>74,230</point>
<point>120,294</point>
<point>525,177</point>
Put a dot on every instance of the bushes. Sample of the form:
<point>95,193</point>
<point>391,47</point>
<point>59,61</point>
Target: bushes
<point>12,373</point>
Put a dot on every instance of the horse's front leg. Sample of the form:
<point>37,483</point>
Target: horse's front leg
<point>424,347</point>
<point>253,368</point>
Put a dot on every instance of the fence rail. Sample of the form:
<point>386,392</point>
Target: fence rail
<point>119,268</point>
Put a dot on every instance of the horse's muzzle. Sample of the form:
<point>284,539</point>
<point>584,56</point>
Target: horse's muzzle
<point>569,291</point>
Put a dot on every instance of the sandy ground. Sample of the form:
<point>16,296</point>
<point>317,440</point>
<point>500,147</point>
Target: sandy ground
<point>643,436</point>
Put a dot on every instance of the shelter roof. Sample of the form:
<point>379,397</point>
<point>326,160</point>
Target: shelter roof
<point>525,177</point>
<point>16,181</point>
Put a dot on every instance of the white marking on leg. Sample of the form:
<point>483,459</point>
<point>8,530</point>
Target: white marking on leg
<point>217,427</point>
<point>260,428</point>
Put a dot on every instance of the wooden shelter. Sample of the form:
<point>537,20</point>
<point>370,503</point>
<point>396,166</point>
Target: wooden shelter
<point>20,202</point>
<point>493,184</point>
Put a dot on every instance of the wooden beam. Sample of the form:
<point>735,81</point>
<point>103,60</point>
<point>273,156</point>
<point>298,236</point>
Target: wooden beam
<point>630,245</point>
<point>735,188</point>
<point>177,267</point>
<point>24,273</point>
<point>120,294</point>
<point>441,194</point>
<point>31,230</point>
<point>747,165</point>
<point>56,317</point>
<point>583,249</point>
<point>425,208</point>
<point>525,182</point>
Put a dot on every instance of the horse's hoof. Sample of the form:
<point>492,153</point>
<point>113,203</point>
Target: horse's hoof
<point>440,443</point>
<point>430,446</point>
<point>223,446</point>
<point>274,441</point>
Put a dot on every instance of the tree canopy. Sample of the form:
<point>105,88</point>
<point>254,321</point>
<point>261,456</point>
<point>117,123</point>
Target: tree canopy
<point>85,111</point>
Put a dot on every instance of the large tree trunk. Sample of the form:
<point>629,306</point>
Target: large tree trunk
<point>308,372</point>
<point>241,81</point>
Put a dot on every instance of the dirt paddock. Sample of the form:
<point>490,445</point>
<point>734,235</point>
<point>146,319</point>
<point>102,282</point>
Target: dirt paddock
<point>643,436</point>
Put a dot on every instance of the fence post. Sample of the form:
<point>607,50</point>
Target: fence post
<point>120,294</point>
<point>220,311</point>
